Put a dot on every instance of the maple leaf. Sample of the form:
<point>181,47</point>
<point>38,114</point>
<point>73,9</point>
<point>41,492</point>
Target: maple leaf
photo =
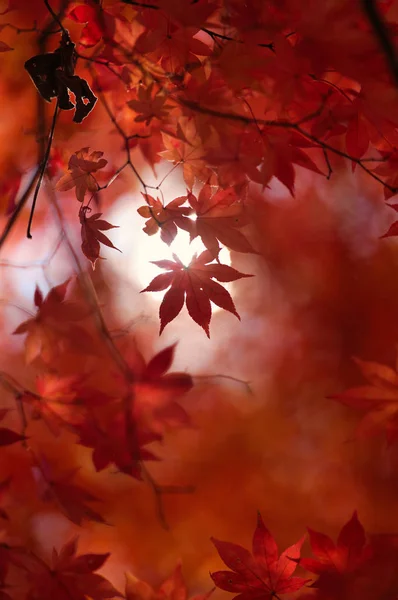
<point>171,44</point>
<point>82,164</point>
<point>218,219</point>
<point>262,574</point>
<point>156,392</point>
<point>149,105</point>
<point>342,566</point>
<point>92,236</point>
<point>195,286</point>
<point>117,442</point>
<point>57,402</point>
<point>350,552</point>
<point>379,400</point>
<point>186,148</point>
<point>70,497</point>
<point>282,150</point>
<point>69,577</point>
<point>53,327</point>
<point>237,158</point>
<point>172,588</point>
<point>73,499</point>
<point>167,218</point>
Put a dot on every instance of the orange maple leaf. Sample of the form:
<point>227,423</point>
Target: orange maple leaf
<point>57,401</point>
<point>82,164</point>
<point>195,286</point>
<point>172,588</point>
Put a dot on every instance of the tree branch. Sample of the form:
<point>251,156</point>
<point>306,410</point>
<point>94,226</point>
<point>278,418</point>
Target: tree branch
<point>380,29</point>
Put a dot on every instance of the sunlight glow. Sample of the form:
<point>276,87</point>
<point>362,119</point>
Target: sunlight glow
<point>152,248</point>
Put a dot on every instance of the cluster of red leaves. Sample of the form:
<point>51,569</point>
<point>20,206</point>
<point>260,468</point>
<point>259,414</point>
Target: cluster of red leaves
<point>185,65</point>
<point>68,577</point>
<point>117,427</point>
<point>82,164</point>
<point>72,577</point>
<point>219,217</point>
<point>353,568</point>
<point>293,100</point>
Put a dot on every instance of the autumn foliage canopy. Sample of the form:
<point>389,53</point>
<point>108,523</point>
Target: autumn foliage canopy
<point>198,299</point>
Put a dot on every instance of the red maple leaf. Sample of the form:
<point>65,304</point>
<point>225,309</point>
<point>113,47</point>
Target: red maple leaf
<point>82,164</point>
<point>342,566</point>
<point>195,286</point>
<point>378,400</point>
<point>118,442</point>
<point>350,552</point>
<point>219,217</point>
<point>149,105</point>
<point>260,575</point>
<point>156,392</point>
<point>167,218</point>
<point>69,577</point>
<point>92,236</point>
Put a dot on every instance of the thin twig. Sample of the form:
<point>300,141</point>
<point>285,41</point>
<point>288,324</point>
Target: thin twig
<point>246,384</point>
<point>21,203</point>
<point>55,17</point>
<point>42,170</point>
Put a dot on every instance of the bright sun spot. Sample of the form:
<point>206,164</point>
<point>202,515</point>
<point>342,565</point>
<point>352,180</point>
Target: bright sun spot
<point>151,248</point>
